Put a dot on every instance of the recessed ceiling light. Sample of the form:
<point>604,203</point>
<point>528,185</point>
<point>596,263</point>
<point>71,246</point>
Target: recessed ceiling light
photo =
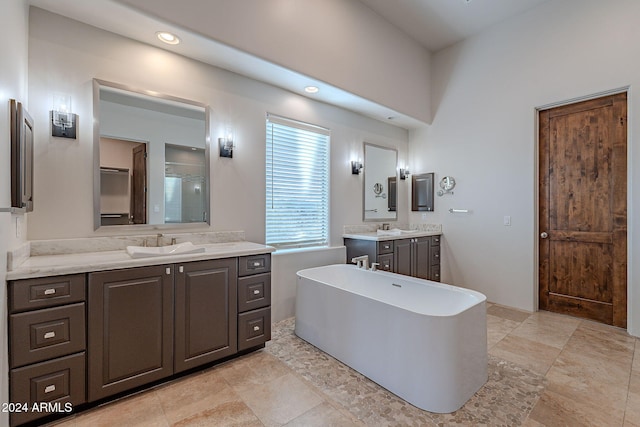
<point>168,37</point>
<point>311,89</point>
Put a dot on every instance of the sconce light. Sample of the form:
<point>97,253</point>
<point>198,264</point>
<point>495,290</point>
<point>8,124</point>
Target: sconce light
<point>356,167</point>
<point>226,146</point>
<point>63,121</point>
<point>404,173</point>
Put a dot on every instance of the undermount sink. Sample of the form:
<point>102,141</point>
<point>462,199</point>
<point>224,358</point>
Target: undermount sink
<point>395,232</point>
<point>177,249</point>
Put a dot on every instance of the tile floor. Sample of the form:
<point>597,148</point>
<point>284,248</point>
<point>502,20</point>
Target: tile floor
<point>545,370</point>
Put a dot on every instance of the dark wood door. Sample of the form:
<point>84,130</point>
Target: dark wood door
<point>139,185</point>
<point>130,329</point>
<point>206,312</point>
<point>583,214</point>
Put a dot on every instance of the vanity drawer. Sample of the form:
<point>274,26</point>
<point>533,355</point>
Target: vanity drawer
<point>254,292</point>
<point>386,262</point>
<point>254,264</point>
<point>60,380</point>
<point>254,328</point>
<point>435,273</point>
<point>435,255</point>
<point>435,241</point>
<point>385,247</point>
<point>44,334</point>
<point>29,294</point>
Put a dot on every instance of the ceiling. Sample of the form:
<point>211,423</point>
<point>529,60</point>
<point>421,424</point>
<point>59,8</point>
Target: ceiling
<point>436,24</point>
<point>433,23</point>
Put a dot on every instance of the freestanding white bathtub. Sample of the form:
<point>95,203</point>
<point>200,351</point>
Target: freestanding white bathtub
<point>424,341</point>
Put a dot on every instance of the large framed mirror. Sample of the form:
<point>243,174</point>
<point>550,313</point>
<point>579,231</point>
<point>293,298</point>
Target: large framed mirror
<point>151,158</point>
<point>380,181</point>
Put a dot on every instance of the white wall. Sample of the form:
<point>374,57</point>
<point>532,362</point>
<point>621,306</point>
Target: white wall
<point>485,92</point>
<point>340,42</point>
<point>65,55</point>
<point>13,84</point>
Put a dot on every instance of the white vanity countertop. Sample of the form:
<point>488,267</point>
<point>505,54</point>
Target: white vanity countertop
<point>55,265</point>
<point>381,237</point>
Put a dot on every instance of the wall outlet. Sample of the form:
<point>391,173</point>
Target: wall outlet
<point>507,220</point>
<point>424,216</point>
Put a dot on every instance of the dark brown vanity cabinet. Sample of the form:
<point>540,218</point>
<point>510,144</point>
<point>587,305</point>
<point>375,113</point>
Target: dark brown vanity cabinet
<point>130,325</point>
<point>380,252</point>
<point>47,345</point>
<point>84,337</point>
<point>418,257</point>
<point>205,312</point>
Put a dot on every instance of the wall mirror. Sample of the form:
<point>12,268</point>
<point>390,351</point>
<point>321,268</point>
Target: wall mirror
<point>151,158</point>
<point>380,181</point>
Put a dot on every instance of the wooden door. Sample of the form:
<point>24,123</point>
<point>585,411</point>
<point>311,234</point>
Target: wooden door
<point>130,329</point>
<point>583,215</point>
<point>206,312</point>
<point>139,185</point>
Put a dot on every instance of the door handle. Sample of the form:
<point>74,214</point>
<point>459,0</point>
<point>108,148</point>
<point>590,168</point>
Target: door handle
<point>544,235</point>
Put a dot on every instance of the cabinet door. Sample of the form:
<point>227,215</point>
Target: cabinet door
<point>422,258</point>
<point>402,259</point>
<point>206,312</point>
<point>130,335</point>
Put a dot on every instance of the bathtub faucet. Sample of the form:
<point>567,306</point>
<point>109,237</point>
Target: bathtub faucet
<point>361,261</point>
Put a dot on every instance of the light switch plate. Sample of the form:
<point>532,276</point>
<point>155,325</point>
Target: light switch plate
<point>507,220</point>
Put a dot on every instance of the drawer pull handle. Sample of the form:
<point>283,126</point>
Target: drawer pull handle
<point>437,255</point>
<point>168,270</point>
<point>50,388</point>
<point>50,334</point>
<point>257,264</point>
<point>181,269</point>
<point>256,328</point>
<point>49,291</point>
<point>256,292</point>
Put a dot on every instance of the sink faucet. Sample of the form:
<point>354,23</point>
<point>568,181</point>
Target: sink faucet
<point>159,240</point>
<point>361,261</point>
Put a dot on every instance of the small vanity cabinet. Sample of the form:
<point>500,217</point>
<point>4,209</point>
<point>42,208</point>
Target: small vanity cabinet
<point>47,345</point>
<point>254,300</point>
<point>380,252</point>
<point>416,256</point>
<point>85,337</point>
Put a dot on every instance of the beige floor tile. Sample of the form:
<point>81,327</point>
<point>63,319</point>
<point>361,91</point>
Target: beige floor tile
<point>547,328</point>
<point>508,313</point>
<point>498,328</point>
<point>279,401</point>
<point>253,369</point>
<point>556,410</point>
<point>526,353</point>
<point>195,395</point>
<point>143,410</point>
<point>636,356</point>
<point>230,414</point>
<point>324,415</point>
<point>632,413</point>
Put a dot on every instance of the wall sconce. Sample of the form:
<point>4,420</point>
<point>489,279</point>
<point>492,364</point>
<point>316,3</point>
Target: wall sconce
<point>63,121</point>
<point>356,167</point>
<point>226,146</point>
<point>404,173</point>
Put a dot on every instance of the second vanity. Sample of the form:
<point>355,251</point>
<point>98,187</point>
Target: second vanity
<point>84,327</point>
<point>410,252</point>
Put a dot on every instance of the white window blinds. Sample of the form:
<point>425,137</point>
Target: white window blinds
<point>297,179</point>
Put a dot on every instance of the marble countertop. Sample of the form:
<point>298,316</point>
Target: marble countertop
<point>382,237</point>
<point>55,265</point>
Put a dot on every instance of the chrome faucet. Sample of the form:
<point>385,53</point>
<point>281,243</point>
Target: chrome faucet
<point>159,240</point>
<point>361,261</point>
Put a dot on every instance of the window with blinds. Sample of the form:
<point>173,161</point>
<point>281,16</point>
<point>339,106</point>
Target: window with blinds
<point>297,179</point>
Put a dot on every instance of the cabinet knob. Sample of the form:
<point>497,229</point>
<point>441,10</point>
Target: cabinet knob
<point>168,270</point>
<point>181,269</point>
<point>256,328</point>
<point>256,292</point>
<point>437,255</point>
